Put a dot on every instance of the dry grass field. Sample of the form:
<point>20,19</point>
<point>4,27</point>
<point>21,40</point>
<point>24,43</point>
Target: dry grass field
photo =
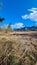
<point>18,48</point>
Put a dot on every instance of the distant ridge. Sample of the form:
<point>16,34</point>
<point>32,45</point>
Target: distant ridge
<point>33,28</point>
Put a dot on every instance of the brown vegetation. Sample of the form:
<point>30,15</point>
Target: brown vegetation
<point>18,49</point>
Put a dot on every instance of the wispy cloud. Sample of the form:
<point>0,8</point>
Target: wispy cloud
<point>32,16</point>
<point>17,25</point>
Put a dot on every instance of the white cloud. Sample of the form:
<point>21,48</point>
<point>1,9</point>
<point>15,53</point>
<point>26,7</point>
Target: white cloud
<point>32,16</point>
<point>33,9</point>
<point>5,26</point>
<point>13,26</point>
<point>17,25</point>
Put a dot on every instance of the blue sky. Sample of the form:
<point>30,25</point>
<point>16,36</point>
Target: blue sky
<point>19,13</point>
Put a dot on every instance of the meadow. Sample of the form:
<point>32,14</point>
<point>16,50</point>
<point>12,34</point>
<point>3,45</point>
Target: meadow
<point>18,48</point>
